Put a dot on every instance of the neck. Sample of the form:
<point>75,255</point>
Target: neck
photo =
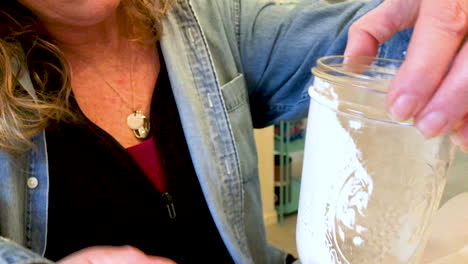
<point>96,42</point>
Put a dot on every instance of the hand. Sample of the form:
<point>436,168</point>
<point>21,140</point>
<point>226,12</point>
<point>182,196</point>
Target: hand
<point>113,255</point>
<point>432,83</point>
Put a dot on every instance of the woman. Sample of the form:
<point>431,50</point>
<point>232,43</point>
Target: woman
<point>147,109</point>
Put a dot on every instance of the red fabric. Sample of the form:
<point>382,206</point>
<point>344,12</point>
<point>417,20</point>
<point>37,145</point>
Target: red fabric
<point>146,157</point>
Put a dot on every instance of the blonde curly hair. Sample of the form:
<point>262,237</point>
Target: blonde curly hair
<point>23,45</point>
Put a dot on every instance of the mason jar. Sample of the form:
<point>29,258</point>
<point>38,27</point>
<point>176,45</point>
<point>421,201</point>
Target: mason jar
<point>370,185</point>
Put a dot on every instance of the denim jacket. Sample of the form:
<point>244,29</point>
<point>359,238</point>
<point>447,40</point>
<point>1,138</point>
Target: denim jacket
<point>233,65</point>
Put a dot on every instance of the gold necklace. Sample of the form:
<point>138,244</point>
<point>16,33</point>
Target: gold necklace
<point>136,120</point>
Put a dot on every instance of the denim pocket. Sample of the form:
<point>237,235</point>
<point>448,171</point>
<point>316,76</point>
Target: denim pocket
<point>235,93</point>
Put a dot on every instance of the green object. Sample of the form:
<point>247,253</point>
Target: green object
<point>288,188</point>
<point>291,203</point>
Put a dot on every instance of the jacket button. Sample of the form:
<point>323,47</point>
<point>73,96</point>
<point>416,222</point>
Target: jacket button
<point>32,182</point>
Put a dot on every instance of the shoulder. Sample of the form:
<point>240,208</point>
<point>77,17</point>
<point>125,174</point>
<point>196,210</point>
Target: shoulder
<point>221,6</point>
<point>217,10</point>
<point>219,19</point>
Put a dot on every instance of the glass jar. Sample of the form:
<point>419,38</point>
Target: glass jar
<point>370,185</point>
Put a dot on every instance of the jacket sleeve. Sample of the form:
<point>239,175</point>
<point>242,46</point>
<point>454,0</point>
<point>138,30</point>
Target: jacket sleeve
<point>12,253</point>
<point>279,45</point>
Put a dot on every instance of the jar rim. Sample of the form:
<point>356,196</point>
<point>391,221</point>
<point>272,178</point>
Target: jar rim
<point>355,85</point>
<point>331,67</point>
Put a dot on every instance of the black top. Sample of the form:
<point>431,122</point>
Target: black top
<point>99,196</point>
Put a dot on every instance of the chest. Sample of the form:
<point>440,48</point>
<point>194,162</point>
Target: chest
<point>107,185</point>
<point>109,102</point>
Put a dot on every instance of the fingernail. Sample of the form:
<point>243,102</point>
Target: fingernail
<point>432,124</point>
<point>403,108</point>
<point>459,141</point>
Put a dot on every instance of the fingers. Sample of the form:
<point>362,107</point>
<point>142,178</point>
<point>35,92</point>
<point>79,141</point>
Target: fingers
<point>379,25</point>
<point>113,255</point>
<point>159,260</point>
<point>131,254</point>
<point>448,107</point>
<point>430,85</point>
<point>438,33</point>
